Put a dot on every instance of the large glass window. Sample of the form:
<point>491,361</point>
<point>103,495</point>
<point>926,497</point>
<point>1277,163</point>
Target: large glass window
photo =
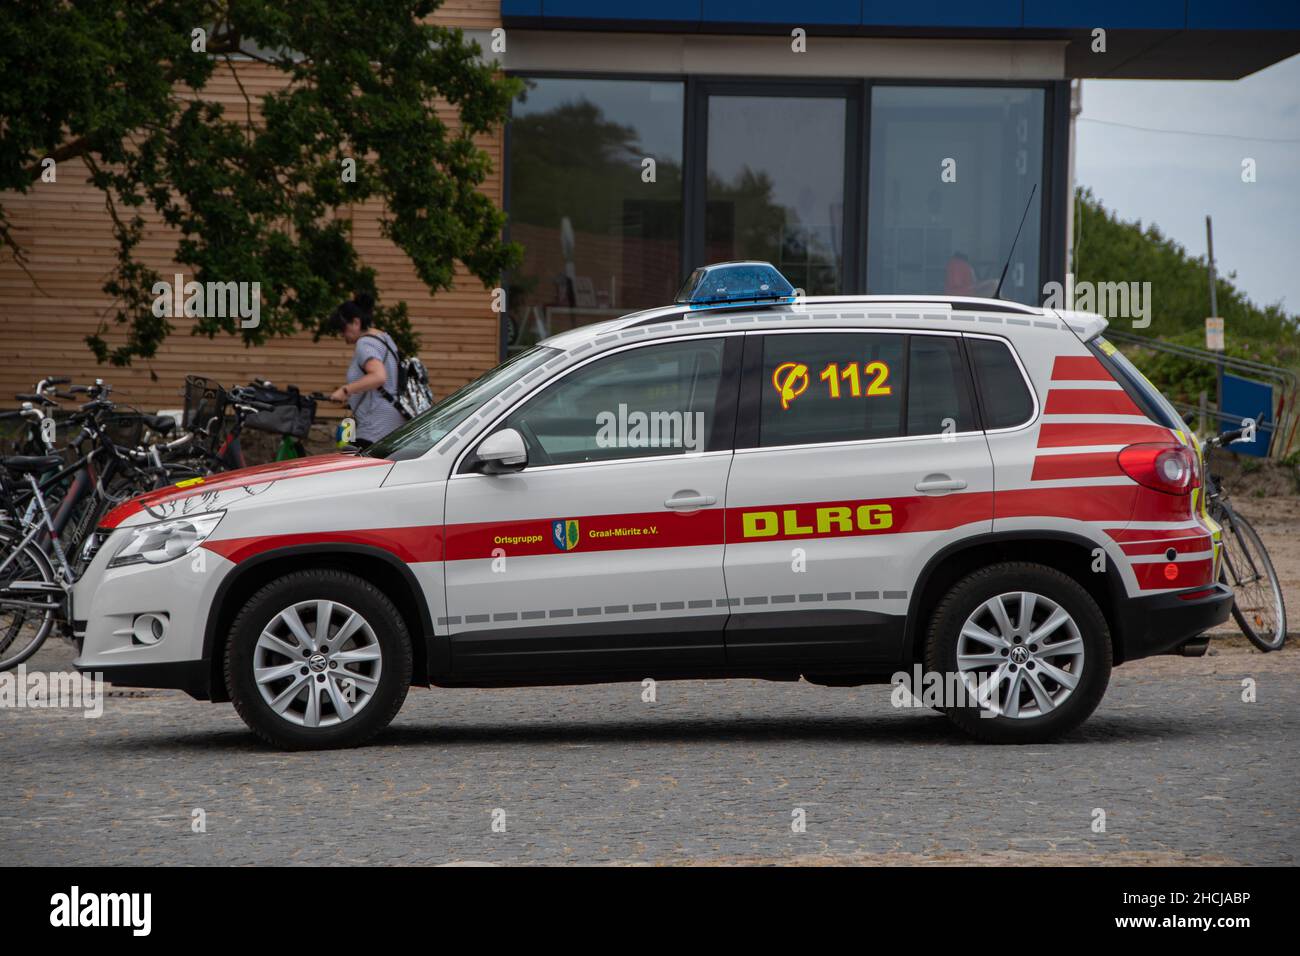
<point>775,186</point>
<point>951,172</point>
<point>595,200</point>
<point>653,400</point>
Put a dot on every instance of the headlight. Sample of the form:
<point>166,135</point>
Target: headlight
<point>166,540</point>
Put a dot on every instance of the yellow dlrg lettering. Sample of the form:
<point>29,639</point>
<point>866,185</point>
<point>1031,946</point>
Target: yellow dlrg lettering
<point>759,524</point>
<point>875,517</point>
<point>841,518</point>
<point>790,520</point>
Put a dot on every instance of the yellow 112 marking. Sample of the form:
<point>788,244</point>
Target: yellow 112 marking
<point>832,374</point>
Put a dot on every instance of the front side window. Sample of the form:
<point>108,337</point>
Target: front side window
<point>655,400</point>
<point>831,387</point>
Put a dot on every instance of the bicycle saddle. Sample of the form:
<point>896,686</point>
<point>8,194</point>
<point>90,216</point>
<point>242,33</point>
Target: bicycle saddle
<point>30,464</point>
<point>159,423</point>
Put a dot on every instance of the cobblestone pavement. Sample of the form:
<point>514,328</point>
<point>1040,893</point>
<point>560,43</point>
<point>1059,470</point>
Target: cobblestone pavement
<point>711,773</point>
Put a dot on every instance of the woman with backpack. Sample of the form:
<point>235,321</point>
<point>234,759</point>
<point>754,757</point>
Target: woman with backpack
<point>373,375</point>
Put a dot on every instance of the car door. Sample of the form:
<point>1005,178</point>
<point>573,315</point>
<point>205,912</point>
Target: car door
<point>603,555</point>
<point>858,456</point>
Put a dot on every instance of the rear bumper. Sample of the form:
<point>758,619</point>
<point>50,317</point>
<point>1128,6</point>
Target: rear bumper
<point>1162,623</point>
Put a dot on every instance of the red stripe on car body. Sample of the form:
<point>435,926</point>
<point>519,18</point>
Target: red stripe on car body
<point>1089,401</point>
<point>1053,435</point>
<point>413,545</point>
<point>1100,464</point>
<point>258,474</point>
<point>1079,368</point>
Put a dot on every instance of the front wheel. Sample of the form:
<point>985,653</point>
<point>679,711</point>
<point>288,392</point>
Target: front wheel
<point>318,659</point>
<point>1257,604</point>
<point>1025,649</point>
<point>30,599</point>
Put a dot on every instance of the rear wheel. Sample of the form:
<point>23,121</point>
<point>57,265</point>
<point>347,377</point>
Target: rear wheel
<point>1027,648</point>
<point>318,659</point>
<point>1257,596</point>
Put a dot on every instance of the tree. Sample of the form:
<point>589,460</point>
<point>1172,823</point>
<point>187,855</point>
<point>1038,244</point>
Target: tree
<point>119,84</point>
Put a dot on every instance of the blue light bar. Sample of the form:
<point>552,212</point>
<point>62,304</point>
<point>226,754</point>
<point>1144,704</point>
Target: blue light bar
<point>735,283</point>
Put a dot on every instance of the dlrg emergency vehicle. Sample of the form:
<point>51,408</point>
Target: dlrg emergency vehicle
<point>868,483</point>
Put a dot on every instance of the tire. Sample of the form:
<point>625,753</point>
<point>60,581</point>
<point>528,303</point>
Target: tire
<point>1077,646</point>
<point>23,628</point>
<point>264,637</point>
<point>1253,626</point>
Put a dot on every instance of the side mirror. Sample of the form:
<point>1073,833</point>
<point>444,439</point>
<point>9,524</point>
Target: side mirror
<point>502,452</point>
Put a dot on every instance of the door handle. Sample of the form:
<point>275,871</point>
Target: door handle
<point>690,499</point>
<point>940,483</point>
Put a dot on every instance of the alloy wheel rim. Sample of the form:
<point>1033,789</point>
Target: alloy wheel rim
<point>1020,655</point>
<point>317,663</point>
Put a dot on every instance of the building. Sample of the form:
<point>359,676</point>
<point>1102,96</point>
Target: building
<point>860,145</point>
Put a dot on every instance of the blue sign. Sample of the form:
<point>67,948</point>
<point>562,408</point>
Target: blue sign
<point>1244,398</point>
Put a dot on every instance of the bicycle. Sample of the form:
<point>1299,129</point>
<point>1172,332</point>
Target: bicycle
<point>1246,568</point>
<point>33,588</point>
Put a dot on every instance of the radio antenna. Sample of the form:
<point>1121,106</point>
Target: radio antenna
<point>997,293</point>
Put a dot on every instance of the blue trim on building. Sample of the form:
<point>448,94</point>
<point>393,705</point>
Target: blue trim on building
<point>920,14</point>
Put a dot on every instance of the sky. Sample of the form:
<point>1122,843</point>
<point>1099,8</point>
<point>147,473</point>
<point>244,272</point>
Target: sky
<point>1175,180</point>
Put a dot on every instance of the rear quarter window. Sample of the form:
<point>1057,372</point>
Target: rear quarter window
<point>1005,399</point>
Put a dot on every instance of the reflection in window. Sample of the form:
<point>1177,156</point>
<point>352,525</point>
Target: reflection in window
<point>930,235</point>
<point>601,228</point>
<point>649,401</point>
<point>776,186</point>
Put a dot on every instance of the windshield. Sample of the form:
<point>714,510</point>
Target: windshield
<point>420,434</point>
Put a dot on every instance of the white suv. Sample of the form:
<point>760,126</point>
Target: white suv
<point>742,484</point>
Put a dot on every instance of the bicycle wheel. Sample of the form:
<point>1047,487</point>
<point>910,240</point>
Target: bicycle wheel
<point>29,600</point>
<point>1257,606</point>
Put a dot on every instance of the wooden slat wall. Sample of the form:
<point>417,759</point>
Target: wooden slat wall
<point>65,231</point>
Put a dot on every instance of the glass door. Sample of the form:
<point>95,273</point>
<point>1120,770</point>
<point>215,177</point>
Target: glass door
<point>774,183</point>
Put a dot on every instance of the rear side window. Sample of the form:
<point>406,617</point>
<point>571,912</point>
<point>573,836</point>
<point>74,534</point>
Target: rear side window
<point>938,392</point>
<point>831,386</point>
<point>1004,396</point>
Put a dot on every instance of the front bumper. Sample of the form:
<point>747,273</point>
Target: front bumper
<point>106,603</point>
<point>1163,623</point>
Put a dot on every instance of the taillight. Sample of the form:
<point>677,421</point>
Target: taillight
<point>1162,466</point>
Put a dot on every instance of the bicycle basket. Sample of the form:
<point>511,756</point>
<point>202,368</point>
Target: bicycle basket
<point>292,414</point>
<point>124,426</point>
<point>205,409</point>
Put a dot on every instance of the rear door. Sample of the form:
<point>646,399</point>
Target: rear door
<point>603,556</point>
<point>858,457</point>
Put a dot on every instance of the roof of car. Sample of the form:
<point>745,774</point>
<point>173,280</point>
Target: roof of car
<point>1084,324</point>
